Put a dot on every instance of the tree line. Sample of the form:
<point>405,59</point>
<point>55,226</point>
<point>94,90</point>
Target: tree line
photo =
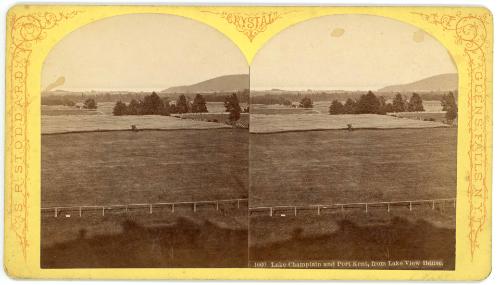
<point>369,103</point>
<point>281,97</point>
<point>59,97</point>
<point>155,105</point>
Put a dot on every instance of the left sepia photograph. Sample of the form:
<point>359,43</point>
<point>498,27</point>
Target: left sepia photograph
<point>144,146</point>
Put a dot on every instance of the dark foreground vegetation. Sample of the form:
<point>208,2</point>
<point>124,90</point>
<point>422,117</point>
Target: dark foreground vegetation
<point>180,244</point>
<point>398,240</point>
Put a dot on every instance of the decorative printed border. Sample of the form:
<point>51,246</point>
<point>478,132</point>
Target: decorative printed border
<point>26,31</point>
<point>249,24</point>
<point>471,34</point>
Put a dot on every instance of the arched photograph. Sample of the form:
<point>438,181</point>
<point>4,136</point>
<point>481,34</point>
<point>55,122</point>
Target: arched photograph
<point>144,146</point>
<point>353,147</point>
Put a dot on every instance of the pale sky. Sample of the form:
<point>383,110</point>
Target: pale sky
<point>141,52</point>
<point>350,52</point>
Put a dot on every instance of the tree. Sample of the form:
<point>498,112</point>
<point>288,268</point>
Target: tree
<point>349,106</point>
<point>232,105</point>
<point>336,108</point>
<point>368,104</point>
<point>306,103</point>
<point>199,104</point>
<point>120,109</point>
<point>90,103</point>
<point>398,103</point>
<point>382,105</point>
<point>134,107</point>
<point>450,106</point>
<point>415,104</point>
<point>182,105</point>
<point>152,105</point>
<point>389,108</point>
<point>287,102</point>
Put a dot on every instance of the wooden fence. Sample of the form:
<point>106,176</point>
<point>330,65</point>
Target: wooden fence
<point>366,207</point>
<point>284,210</point>
<point>145,207</point>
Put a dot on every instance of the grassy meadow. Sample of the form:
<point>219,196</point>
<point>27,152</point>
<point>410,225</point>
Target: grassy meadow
<point>99,168</point>
<point>260,123</point>
<point>339,166</point>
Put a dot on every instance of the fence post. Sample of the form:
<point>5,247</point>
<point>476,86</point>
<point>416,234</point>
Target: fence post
<point>388,207</point>
<point>433,204</point>
<point>238,203</point>
<point>173,208</point>
<point>80,211</point>
<point>270,211</point>
<point>150,208</point>
<point>410,207</point>
<point>366,207</point>
<point>454,203</point>
<point>217,205</point>
<point>319,211</point>
<point>295,211</point>
<point>103,211</point>
<point>194,207</point>
<point>55,212</point>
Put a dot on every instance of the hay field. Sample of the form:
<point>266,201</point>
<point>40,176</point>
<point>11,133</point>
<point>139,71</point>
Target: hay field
<point>103,168</point>
<point>338,166</point>
<point>283,123</point>
<point>73,123</point>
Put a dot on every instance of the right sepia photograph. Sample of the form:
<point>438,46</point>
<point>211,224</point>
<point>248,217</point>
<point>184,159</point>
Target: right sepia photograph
<point>353,147</point>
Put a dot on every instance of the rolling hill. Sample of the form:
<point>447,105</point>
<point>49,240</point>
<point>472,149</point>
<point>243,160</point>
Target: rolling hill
<point>441,82</point>
<point>226,83</point>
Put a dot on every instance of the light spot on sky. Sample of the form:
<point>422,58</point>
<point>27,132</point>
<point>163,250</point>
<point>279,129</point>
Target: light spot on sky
<point>337,32</point>
<point>419,36</point>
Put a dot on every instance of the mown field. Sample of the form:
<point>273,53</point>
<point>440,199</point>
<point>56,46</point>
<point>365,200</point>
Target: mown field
<point>141,167</point>
<point>260,123</point>
<point>87,123</point>
<point>338,166</point>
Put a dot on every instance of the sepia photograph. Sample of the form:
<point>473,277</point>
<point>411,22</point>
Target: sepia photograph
<point>353,147</point>
<point>144,146</point>
<point>335,148</point>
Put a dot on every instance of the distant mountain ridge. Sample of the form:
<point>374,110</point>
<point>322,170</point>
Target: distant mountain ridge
<point>225,83</point>
<point>441,82</point>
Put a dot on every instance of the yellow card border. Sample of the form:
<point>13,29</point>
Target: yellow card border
<point>33,30</point>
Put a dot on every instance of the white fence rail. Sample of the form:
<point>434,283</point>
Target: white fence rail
<point>255,211</point>
<point>366,207</point>
<point>149,207</point>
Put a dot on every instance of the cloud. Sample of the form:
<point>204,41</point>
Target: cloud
<point>59,81</point>
<point>337,32</point>
<point>419,36</point>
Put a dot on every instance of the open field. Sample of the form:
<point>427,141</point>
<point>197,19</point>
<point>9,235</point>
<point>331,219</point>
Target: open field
<point>124,167</point>
<point>72,123</point>
<point>436,116</point>
<point>102,168</point>
<point>338,166</point>
<point>277,109</point>
<point>283,123</point>
<point>222,117</point>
